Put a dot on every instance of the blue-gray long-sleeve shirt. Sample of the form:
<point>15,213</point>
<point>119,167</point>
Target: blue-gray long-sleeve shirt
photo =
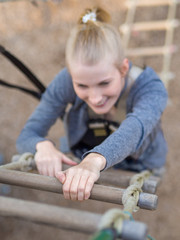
<point>139,135</point>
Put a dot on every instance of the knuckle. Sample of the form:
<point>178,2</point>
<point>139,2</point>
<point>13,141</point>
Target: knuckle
<point>65,189</point>
<point>70,171</point>
<point>80,189</point>
<point>90,184</point>
<point>73,197</point>
<point>87,195</point>
<point>66,197</point>
<point>73,191</point>
<point>87,192</point>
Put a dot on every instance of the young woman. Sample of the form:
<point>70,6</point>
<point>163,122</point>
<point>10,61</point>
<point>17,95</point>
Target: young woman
<point>115,112</point>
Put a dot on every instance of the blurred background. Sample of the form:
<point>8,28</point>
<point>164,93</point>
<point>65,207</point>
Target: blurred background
<point>36,32</point>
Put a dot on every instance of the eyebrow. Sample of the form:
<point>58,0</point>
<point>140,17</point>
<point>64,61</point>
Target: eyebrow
<point>105,80</point>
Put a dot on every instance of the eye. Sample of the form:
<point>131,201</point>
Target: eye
<point>104,83</point>
<point>81,86</point>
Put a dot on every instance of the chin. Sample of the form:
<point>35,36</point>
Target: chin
<point>101,111</point>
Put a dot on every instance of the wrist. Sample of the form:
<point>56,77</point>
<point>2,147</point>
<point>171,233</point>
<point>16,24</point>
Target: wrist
<point>96,159</point>
<point>44,144</point>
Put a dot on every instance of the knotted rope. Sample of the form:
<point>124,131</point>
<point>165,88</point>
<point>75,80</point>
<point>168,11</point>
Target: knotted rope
<point>131,195</point>
<point>130,198</point>
<point>114,218</point>
<point>138,179</point>
<point>24,162</point>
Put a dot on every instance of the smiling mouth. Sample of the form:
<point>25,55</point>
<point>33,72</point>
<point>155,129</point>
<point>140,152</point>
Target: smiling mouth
<point>101,104</point>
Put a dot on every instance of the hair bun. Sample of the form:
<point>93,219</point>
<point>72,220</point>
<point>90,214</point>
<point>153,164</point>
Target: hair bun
<point>93,15</point>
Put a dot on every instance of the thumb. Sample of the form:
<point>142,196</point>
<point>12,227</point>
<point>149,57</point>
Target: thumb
<point>61,176</point>
<point>68,161</point>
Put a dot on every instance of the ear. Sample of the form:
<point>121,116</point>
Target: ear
<point>124,67</point>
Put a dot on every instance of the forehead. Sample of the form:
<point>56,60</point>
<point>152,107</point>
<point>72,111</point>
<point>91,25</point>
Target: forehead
<point>100,71</point>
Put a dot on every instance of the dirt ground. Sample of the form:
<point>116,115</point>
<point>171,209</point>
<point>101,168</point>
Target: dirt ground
<point>37,33</point>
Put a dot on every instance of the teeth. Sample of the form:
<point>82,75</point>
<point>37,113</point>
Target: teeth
<point>102,103</point>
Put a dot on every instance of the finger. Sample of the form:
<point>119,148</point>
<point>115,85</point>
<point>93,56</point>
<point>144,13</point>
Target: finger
<point>67,185</point>
<point>81,187</point>
<point>61,176</point>
<point>57,166</point>
<point>88,187</point>
<point>68,161</point>
<point>74,187</point>
<point>44,170</point>
<point>51,171</point>
<point>40,166</point>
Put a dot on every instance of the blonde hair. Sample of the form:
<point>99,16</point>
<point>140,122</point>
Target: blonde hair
<point>94,39</point>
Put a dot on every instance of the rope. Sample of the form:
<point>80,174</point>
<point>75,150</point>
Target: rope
<point>22,162</point>
<point>131,195</point>
<point>138,179</point>
<point>114,218</point>
<point>130,198</point>
<point>25,161</point>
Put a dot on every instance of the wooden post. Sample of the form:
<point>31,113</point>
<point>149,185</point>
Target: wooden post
<point>169,40</point>
<point>99,192</point>
<point>129,21</point>
<point>65,218</point>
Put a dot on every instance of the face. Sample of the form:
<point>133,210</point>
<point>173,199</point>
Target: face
<point>99,85</point>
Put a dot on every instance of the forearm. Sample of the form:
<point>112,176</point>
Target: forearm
<point>36,128</point>
<point>121,143</point>
<point>28,144</point>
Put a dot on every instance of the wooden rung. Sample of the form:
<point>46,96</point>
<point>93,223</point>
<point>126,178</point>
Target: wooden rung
<point>116,178</point>
<point>65,218</point>
<point>150,51</point>
<point>152,3</point>
<point>167,75</point>
<point>119,178</point>
<point>150,26</point>
<point>51,184</point>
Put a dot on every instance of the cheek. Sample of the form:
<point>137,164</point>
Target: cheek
<point>118,86</point>
<point>114,91</point>
<point>80,93</point>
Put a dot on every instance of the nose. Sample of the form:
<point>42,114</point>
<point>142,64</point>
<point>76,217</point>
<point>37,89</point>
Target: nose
<point>95,97</point>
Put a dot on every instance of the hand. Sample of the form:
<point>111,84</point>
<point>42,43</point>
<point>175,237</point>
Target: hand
<point>49,160</point>
<point>78,181</point>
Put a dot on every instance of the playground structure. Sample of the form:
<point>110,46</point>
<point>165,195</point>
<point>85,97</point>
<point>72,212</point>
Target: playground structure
<point>168,25</point>
<point>131,198</point>
<point>166,51</point>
